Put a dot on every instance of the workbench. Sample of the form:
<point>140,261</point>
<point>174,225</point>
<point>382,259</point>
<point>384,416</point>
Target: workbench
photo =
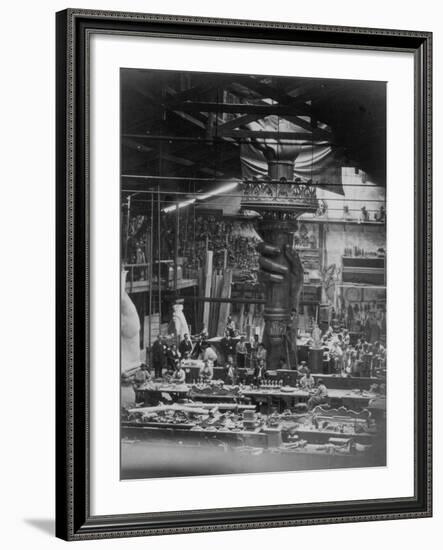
<point>266,398</point>
<point>287,399</point>
<point>179,433</point>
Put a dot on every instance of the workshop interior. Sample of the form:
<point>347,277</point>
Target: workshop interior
<point>253,273</point>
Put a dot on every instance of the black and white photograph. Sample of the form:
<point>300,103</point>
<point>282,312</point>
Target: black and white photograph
<point>243,276</point>
<point>253,273</point>
<point>220,234</point>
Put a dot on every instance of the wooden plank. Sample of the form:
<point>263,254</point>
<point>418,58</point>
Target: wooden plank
<point>230,300</point>
<point>208,282</point>
<point>225,307</point>
<point>143,286</point>
<point>252,315</point>
<point>239,121</point>
<point>242,108</point>
<point>267,90</point>
<point>163,408</point>
<point>217,304</point>
<point>212,305</point>
<point>269,134</point>
<point>241,317</point>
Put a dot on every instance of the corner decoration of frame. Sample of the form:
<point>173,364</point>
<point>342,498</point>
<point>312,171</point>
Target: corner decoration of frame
<point>74,520</point>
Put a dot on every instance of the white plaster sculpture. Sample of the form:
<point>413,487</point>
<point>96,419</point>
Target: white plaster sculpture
<point>316,337</point>
<point>129,330</point>
<point>178,325</point>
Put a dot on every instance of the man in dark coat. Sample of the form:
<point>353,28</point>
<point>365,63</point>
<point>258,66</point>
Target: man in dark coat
<point>158,356</point>
<point>173,356</point>
<point>228,346</point>
<point>185,347</point>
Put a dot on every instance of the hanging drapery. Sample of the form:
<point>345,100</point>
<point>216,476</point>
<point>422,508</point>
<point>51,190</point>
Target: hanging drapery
<point>317,161</point>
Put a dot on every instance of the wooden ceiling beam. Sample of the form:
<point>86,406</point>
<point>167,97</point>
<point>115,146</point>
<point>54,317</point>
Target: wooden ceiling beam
<point>239,108</point>
<point>165,137</point>
<point>268,91</point>
<point>308,126</point>
<point>278,136</point>
<point>286,98</point>
<point>236,122</point>
<point>247,119</point>
<point>190,118</point>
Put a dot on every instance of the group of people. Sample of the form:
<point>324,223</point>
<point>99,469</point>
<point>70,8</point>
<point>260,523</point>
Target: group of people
<point>304,377</point>
<point>361,359</point>
<point>307,382</point>
<point>244,354</point>
<point>167,363</point>
<point>240,354</point>
<point>167,359</point>
<point>166,356</point>
<point>174,373</point>
<point>145,374</point>
<point>232,373</point>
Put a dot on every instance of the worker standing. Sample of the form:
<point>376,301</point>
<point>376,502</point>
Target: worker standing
<point>241,351</point>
